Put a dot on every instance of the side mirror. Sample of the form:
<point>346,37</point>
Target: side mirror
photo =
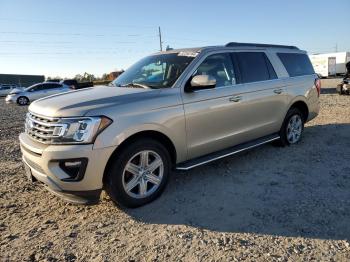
<point>202,82</point>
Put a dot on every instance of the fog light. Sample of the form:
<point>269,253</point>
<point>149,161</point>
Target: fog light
<point>74,168</point>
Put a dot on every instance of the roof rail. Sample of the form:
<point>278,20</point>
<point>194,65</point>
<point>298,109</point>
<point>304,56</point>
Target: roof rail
<point>232,44</point>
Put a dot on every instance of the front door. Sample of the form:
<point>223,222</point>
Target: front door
<point>212,113</point>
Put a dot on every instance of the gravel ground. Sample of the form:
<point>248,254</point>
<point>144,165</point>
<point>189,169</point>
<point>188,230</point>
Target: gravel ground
<point>275,204</point>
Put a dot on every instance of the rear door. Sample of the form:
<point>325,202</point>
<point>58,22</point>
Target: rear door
<point>51,89</point>
<point>36,92</point>
<point>59,88</point>
<point>264,94</point>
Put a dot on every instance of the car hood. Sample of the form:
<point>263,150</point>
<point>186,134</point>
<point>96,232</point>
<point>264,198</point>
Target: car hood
<point>79,102</point>
<point>16,91</point>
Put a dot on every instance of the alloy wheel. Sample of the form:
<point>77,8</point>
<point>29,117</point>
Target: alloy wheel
<point>143,174</point>
<point>294,129</point>
<point>22,101</point>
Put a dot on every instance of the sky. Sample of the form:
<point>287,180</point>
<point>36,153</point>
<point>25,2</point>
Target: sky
<point>65,37</point>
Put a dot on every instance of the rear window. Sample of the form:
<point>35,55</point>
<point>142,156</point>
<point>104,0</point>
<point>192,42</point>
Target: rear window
<point>296,64</point>
<point>254,66</point>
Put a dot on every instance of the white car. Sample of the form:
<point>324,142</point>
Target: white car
<point>5,89</point>
<point>34,92</point>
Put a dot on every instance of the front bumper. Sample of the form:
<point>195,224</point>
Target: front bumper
<point>11,99</point>
<point>42,164</point>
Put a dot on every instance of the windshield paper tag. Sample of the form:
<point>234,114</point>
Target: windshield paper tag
<point>188,53</point>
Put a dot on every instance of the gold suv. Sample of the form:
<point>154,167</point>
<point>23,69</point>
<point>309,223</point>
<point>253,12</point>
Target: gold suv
<point>171,110</point>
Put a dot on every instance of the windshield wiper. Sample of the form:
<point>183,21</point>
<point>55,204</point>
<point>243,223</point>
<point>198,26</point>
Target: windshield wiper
<point>135,85</point>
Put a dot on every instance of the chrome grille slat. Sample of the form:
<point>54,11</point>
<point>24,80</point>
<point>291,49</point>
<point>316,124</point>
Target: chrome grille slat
<point>39,134</point>
<point>41,128</point>
<point>42,123</point>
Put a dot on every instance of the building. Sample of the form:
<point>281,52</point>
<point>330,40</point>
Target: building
<point>21,80</point>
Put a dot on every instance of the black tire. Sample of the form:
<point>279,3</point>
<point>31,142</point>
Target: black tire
<point>341,90</point>
<point>23,100</point>
<point>283,141</point>
<point>114,176</point>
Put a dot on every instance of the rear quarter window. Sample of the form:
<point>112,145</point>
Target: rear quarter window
<point>296,64</point>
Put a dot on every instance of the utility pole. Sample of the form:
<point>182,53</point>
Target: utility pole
<point>160,39</point>
<point>336,47</point>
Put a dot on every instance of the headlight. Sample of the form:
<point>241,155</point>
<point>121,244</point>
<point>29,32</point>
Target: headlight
<point>79,130</point>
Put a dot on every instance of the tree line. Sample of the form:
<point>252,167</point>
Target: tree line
<point>86,77</point>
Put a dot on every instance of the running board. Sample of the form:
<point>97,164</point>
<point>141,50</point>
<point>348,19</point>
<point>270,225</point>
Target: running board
<point>225,152</point>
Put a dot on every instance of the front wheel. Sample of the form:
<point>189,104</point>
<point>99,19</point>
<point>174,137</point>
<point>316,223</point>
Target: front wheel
<point>139,173</point>
<point>292,128</point>
<point>22,101</point>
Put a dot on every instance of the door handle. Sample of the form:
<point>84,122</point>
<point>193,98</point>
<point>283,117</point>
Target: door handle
<point>235,98</point>
<point>278,91</point>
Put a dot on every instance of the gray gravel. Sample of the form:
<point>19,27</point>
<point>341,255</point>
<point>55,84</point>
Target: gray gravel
<point>268,204</point>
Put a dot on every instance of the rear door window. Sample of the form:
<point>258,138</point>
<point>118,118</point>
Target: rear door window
<point>296,64</point>
<point>36,88</point>
<point>51,86</point>
<point>254,67</point>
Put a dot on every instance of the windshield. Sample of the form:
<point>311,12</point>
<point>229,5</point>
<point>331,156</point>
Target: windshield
<point>157,71</point>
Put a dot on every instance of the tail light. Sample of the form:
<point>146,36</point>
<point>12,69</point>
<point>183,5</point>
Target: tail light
<point>318,86</point>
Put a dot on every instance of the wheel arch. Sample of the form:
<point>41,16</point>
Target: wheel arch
<point>302,106</point>
<point>156,135</point>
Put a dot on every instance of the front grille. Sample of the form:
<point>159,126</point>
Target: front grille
<point>42,129</point>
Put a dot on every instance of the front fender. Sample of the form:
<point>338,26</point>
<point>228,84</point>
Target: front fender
<point>170,122</point>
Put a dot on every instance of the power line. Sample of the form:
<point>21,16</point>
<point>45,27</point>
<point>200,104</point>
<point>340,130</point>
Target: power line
<point>74,23</point>
<point>31,41</point>
<point>187,39</point>
<point>171,40</point>
<point>108,52</point>
<point>57,42</point>
<point>73,34</point>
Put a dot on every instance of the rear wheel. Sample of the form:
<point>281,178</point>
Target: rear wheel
<point>139,173</point>
<point>22,101</point>
<point>292,128</point>
<point>341,89</point>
